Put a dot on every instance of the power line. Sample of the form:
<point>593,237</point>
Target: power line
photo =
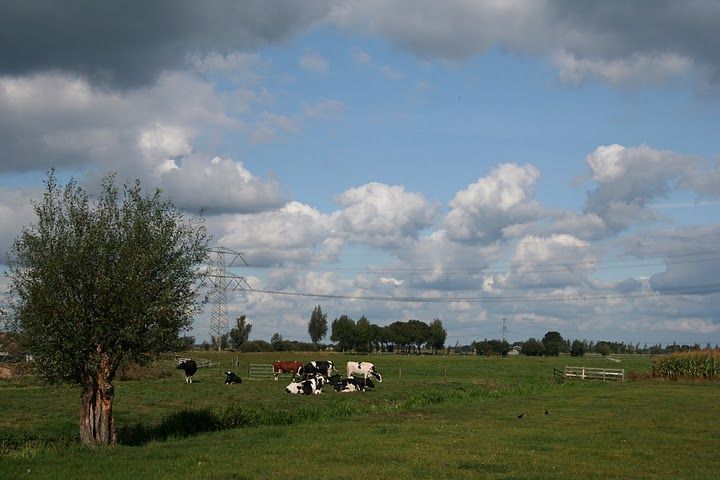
<point>559,267</point>
<point>684,290</point>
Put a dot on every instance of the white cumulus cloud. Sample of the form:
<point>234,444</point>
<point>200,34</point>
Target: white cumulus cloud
<point>382,215</point>
<point>500,200</point>
<point>219,185</point>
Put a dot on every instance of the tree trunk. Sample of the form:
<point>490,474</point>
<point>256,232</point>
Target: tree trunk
<point>97,424</point>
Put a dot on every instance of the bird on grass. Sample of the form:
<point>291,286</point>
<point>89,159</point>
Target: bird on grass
<point>546,412</point>
<point>521,415</point>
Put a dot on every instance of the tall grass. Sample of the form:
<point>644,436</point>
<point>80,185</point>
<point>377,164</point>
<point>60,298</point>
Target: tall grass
<point>702,364</point>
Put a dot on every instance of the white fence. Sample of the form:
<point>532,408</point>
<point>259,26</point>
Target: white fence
<point>595,373</point>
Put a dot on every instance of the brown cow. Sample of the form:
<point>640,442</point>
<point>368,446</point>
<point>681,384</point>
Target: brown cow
<point>286,367</point>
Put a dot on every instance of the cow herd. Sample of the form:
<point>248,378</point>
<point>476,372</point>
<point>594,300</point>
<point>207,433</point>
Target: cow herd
<point>308,378</point>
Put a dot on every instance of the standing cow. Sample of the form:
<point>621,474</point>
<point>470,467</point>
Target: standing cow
<point>366,369</point>
<point>189,366</point>
<point>286,367</point>
<point>313,369</point>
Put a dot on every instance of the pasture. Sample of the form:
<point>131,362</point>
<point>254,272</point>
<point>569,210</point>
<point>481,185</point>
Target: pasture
<point>432,417</point>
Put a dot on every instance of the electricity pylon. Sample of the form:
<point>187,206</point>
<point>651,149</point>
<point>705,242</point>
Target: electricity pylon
<point>221,281</point>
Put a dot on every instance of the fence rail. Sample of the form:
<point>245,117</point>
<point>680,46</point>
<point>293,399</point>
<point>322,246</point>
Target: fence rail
<point>201,362</point>
<point>260,370</point>
<point>585,373</point>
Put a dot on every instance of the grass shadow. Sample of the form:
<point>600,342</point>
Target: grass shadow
<point>180,424</point>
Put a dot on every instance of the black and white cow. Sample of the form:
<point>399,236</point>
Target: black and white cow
<point>347,385</point>
<point>231,378</point>
<point>311,386</point>
<point>313,369</point>
<point>366,369</point>
<point>189,366</point>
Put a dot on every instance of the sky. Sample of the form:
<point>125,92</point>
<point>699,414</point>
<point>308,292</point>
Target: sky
<point>553,164</point>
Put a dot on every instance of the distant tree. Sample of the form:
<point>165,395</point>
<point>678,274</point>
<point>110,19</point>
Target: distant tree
<point>100,282</point>
<point>277,341</point>
<point>603,348</point>
<point>578,348</point>
<point>363,335</point>
<point>532,347</point>
<point>378,337</point>
<point>437,336</point>
<point>256,346</point>
<point>343,333</point>
<point>400,335</point>
<point>240,333</point>
<point>220,343</point>
<point>185,343</point>
<point>500,347</point>
<point>419,333</point>
<point>552,343</point>
<point>318,326</point>
<point>385,338</point>
<point>491,347</point>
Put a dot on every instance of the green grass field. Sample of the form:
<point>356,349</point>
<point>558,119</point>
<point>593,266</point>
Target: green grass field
<point>432,417</point>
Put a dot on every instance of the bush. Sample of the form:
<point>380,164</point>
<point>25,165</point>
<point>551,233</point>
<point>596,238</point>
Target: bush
<point>135,372</point>
<point>256,346</point>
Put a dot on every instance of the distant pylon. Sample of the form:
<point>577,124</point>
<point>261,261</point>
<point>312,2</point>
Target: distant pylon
<point>221,282</point>
<point>504,330</point>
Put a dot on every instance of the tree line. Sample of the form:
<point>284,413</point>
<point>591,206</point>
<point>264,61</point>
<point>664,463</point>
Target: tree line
<point>410,336</point>
<point>401,337</point>
<point>348,335</point>
<point>553,344</point>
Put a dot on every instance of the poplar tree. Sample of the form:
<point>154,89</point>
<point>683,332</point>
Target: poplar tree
<point>317,327</point>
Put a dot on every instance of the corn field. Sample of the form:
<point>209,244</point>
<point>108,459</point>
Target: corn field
<point>696,364</point>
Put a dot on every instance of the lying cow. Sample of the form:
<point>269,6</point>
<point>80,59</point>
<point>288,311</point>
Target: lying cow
<point>313,369</point>
<point>231,378</point>
<point>366,369</point>
<point>286,367</point>
<point>347,385</point>
<point>311,386</point>
<point>189,366</point>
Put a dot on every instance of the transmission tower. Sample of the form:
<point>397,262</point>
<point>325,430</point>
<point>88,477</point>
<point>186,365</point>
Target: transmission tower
<point>504,329</point>
<point>221,281</point>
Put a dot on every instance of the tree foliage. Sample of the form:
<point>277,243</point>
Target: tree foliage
<point>240,333</point>
<point>277,341</point>
<point>553,343</point>
<point>363,335</point>
<point>532,347</point>
<point>577,349</point>
<point>437,335</point>
<point>99,283</point>
<point>317,327</point>
<point>491,347</point>
<point>343,333</point>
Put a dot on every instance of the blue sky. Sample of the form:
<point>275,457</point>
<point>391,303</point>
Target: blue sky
<point>552,163</point>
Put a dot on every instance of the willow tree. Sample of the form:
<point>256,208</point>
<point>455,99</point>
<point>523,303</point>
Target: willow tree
<point>101,281</point>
